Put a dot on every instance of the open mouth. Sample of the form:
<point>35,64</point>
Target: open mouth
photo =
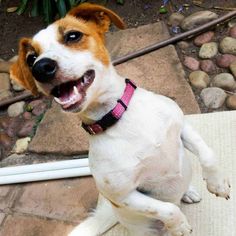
<point>71,94</point>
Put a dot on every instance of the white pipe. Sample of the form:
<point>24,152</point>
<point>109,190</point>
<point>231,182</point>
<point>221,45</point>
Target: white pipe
<point>45,175</point>
<point>59,165</point>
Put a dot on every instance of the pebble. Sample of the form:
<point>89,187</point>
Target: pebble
<point>232,23</point>
<point>5,140</point>
<point>197,18</point>
<point>21,145</point>
<point>27,115</point>
<point>5,66</point>
<point>225,60</point>
<point>191,63</point>
<point>26,129</point>
<point>224,80</point>
<point>208,50</point>
<point>204,38</point>
<point>228,45</point>
<point>233,68</point>
<point>232,32</point>
<point>231,102</point>
<point>16,109</point>
<point>208,66</point>
<point>213,97</point>
<point>175,19</point>
<point>183,45</point>
<point>13,125</point>
<point>199,79</point>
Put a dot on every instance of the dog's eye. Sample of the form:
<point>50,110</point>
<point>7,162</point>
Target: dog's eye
<point>31,59</point>
<point>72,36</point>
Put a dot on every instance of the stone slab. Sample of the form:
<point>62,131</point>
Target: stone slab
<point>59,133</point>
<point>20,225</point>
<point>69,199</point>
<point>160,71</point>
<point>7,196</point>
<point>2,216</point>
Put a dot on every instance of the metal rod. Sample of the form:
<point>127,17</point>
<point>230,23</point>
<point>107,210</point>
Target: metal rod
<point>15,99</point>
<point>177,38</point>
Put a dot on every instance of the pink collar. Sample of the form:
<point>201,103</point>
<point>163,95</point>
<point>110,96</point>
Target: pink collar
<point>115,114</point>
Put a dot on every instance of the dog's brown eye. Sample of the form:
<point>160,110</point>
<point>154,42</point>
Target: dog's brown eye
<point>73,36</point>
<point>31,59</point>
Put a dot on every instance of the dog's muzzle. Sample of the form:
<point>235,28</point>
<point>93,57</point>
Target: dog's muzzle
<point>44,70</point>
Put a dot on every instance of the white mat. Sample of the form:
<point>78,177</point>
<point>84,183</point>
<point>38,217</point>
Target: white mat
<point>212,216</point>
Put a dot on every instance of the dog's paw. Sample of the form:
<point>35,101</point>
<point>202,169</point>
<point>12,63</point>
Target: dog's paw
<point>217,184</point>
<point>191,196</point>
<point>182,229</point>
<point>178,225</point>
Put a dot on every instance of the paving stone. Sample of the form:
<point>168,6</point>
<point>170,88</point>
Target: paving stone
<point>21,225</point>
<point>2,216</point>
<point>69,200</point>
<point>7,196</point>
<point>160,71</point>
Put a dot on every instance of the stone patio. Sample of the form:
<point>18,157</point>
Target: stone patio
<point>54,207</point>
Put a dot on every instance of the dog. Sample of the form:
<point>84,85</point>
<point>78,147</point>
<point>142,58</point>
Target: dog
<point>137,138</point>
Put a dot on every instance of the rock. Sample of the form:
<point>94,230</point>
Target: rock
<point>183,45</point>
<point>197,18</point>
<point>13,59</point>
<point>35,103</point>
<point>26,129</point>
<point>199,79</point>
<point>17,87</point>
<point>204,38</point>
<point>27,115</point>
<point>175,19</point>
<point>225,60</point>
<point>232,23</point>
<point>228,45</point>
<point>4,82</point>
<point>59,132</point>
<point>213,97</point>
<point>5,66</point>
<point>224,80</point>
<point>191,63</point>
<point>208,50</point>
<point>21,145</point>
<point>16,109</point>
<point>5,140</point>
<point>40,109</point>
<point>12,126</point>
<point>208,66</point>
<point>233,68</point>
<point>231,102</point>
<point>232,32</point>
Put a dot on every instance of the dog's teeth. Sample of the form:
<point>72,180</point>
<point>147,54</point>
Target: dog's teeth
<point>58,100</point>
<point>75,90</point>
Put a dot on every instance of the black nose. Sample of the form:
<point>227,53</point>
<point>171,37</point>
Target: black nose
<point>44,70</point>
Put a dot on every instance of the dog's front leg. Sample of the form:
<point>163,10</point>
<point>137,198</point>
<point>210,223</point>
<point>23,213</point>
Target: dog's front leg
<point>217,183</point>
<point>174,220</point>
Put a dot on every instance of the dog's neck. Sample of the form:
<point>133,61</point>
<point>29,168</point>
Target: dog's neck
<point>110,89</point>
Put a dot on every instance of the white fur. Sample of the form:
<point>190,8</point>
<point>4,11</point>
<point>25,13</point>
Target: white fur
<point>139,164</point>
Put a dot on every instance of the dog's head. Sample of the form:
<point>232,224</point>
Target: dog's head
<point>67,59</point>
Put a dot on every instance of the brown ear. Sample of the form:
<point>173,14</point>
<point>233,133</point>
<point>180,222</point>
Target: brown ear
<point>99,14</point>
<point>20,71</point>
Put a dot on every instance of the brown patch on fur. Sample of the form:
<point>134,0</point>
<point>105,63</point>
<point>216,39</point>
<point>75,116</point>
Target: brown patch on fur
<point>100,15</point>
<point>20,71</point>
<point>91,40</point>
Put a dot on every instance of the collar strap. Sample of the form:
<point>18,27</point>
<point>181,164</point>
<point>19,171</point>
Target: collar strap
<point>115,114</point>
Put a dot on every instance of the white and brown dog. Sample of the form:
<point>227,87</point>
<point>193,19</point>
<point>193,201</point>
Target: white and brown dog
<point>137,138</point>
